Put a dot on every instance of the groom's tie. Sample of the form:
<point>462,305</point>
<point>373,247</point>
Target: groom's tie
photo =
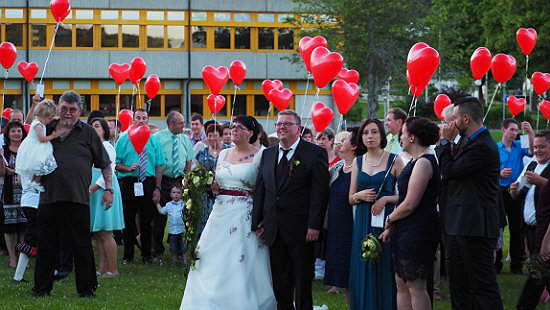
<point>282,168</point>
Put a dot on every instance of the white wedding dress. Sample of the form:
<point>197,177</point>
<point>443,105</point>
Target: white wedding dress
<point>233,270</point>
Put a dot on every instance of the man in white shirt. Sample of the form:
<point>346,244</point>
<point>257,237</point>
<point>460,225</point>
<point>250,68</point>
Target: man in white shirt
<point>531,179</point>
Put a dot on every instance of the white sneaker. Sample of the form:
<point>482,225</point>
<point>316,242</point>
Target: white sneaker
<point>323,307</point>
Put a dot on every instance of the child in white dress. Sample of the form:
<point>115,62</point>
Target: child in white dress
<point>35,155</point>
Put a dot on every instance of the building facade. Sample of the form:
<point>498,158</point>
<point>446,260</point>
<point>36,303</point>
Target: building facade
<point>176,38</point>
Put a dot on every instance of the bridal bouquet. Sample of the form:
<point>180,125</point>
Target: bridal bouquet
<point>195,184</point>
<point>371,247</point>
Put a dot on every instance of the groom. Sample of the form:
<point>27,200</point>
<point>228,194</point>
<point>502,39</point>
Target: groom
<point>289,209</point>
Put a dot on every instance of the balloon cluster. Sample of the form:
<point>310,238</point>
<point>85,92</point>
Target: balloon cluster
<point>216,78</point>
<point>325,66</point>
<point>134,72</point>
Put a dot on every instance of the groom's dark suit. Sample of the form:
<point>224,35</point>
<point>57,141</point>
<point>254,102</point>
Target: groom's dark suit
<point>286,206</point>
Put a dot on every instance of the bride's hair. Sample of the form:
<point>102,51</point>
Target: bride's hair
<point>251,124</point>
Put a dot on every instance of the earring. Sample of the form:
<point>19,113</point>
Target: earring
<point>411,140</point>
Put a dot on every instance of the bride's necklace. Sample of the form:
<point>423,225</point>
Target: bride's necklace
<point>377,163</point>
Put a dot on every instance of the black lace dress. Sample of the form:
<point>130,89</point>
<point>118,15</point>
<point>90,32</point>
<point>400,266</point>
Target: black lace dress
<point>415,237</point>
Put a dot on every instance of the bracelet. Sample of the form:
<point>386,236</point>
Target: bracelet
<point>109,190</point>
<point>158,187</point>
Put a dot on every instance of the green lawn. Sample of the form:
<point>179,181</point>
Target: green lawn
<point>161,287</point>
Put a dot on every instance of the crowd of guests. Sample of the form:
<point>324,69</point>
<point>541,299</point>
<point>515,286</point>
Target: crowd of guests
<point>437,196</point>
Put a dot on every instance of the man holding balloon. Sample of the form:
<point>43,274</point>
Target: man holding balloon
<point>140,162</point>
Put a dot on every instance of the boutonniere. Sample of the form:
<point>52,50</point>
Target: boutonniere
<point>293,164</point>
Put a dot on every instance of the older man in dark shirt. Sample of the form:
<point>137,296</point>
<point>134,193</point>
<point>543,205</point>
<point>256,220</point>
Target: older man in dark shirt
<point>64,207</point>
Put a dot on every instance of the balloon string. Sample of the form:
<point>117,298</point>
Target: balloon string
<point>3,95</point>
<point>139,96</point>
<point>49,53</point>
<point>492,100</point>
<point>411,106</point>
<point>303,110</point>
<point>132,101</point>
<point>233,104</point>
<point>415,103</point>
<point>340,123</point>
<point>268,115</point>
<point>117,105</point>
<point>317,94</point>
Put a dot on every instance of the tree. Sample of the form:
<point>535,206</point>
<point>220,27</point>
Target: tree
<point>373,36</point>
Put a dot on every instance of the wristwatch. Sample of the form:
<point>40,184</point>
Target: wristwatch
<point>109,190</point>
<point>443,142</point>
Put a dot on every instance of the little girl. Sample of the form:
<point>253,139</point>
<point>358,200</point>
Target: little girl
<point>35,155</point>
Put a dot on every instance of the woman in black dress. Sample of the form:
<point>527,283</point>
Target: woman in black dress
<point>414,224</point>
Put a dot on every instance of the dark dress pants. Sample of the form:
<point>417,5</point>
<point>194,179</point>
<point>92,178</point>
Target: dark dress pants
<point>159,220</point>
<point>533,288</point>
<point>292,268</point>
<point>142,206</point>
<point>472,278</point>
<point>73,221</point>
<point>515,219</point>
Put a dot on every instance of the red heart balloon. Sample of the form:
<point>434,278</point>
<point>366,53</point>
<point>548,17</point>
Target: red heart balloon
<point>119,73</point>
<point>125,117</point>
<point>281,98</point>
<point>27,70</point>
<point>215,103</point>
<point>138,67</point>
<point>544,108</point>
<point>268,85</point>
<point>422,62</point>
<point>237,72</point>
<point>321,116</point>
<point>480,62</point>
<point>27,128</point>
<point>441,102</point>
<point>139,136</point>
<point>527,39</point>
<point>414,89</point>
<point>7,113</point>
<point>345,95</point>
<point>516,105</point>
<point>325,66</point>
<point>152,85</point>
<point>60,9</point>
<point>541,82</point>
<point>215,78</point>
<point>503,67</point>
<point>306,47</point>
<point>350,76</point>
<point>8,54</point>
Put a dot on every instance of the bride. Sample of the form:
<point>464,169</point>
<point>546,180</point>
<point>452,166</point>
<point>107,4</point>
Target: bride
<point>233,269</point>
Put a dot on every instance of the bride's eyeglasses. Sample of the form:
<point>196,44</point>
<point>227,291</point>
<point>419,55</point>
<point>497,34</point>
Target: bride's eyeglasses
<point>237,126</point>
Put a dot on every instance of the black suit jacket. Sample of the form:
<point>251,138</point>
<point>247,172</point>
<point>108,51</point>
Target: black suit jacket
<point>469,194</point>
<point>299,203</point>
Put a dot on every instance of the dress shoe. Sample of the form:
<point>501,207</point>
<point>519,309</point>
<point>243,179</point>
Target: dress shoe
<point>126,261</point>
<point>147,261</point>
<point>60,276</point>
<point>86,295</point>
<point>19,281</point>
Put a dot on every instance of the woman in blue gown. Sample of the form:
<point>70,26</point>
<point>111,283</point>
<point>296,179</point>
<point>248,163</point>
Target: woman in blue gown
<point>372,191</point>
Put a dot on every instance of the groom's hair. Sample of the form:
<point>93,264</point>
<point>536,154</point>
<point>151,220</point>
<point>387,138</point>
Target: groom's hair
<point>290,112</point>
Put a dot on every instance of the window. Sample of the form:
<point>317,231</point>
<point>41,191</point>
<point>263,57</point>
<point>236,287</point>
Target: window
<point>199,36</point>
<point>286,39</point>
<point>265,38</point>
<point>176,16</point>
<point>196,104</point>
<point>130,36</point>
<point>266,18</point>
<point>38,13</point>
<point>130,15</point>
<point>242,38</point>
<point>38,35</point>
<point>14,34</point>
<point>109,35</point>
<point>109,15</point>
<point>13,101</point>
<point>155,36</point>
<point>240,105</point>
<point>176,36</point>
<point>107,103</point>
<point>222,17</point>
<point>155,15</point>
<point>64,36</point>
<point>222,37</point>
<point>154,107</point>
<point>261,105</point>
<point>284,18</point>
<point>242,17</point>
<point>84,35</point>
<point>86,101</point>
<point>199,16</point>
<point>84,14</point>
<point>172,103</point>
<point>14,13</point>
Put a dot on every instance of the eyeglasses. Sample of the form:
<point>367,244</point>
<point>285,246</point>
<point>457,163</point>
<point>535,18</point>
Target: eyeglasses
<point>238,126</point>
<point>69,110</point>
<point>285,124</point>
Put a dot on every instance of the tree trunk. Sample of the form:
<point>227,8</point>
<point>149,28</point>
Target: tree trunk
<point>372,92</point>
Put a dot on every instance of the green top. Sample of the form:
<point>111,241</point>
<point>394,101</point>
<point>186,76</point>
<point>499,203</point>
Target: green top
<point>185,149</point>
<point>127,155</point>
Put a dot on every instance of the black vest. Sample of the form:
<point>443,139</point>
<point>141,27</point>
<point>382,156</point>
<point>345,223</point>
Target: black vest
<point>545,174</point>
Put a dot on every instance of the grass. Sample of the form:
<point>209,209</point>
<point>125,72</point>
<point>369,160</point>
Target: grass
<point>161,287</point>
